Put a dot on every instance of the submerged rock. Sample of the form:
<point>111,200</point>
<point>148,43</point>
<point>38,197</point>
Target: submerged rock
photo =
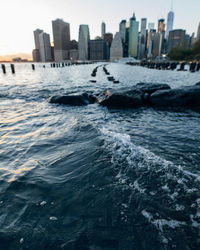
<point>130,97</point>
<point>74,100</point>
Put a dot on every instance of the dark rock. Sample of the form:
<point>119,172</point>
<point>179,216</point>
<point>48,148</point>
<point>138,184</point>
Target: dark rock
<point>197,84</point>
<point>93,81</point>
<point>188,96</point>
<point>74,100</point>
<point>115,81</point>
<point>132,97</point>
<point>111,78</point>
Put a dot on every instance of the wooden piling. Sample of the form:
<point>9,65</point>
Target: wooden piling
<point>3,68</point>
<point>12,66</point>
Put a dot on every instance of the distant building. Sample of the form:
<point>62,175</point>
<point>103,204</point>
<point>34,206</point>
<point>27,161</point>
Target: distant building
<point>45,48</point>
<point>151,26</point>
<point>36,52</point>
<point>177,38</point>
<point>122,30</point>
<point>161,25</point>
<point>198,32</point>
<point>103,29</point>
<point>170,23</point>
<point>157,43</point>
<point>108,37</point>
<point>98,50</point>
<point>36,55</point>
<point>73,55</point>
<point>142,39</point>
<point>73,45</point>
<point>83,42</point>
<point>133,37</point>
<point>116,50</point>
<point>151,35</point>
<point>61,36</point>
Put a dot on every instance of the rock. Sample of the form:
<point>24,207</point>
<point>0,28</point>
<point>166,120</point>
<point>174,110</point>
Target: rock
<point>188,96</point>
<point>74,100</point>
<point>115,81</point>
<point>130,97</point>
<point>111,78</point>
<point>197,84</point>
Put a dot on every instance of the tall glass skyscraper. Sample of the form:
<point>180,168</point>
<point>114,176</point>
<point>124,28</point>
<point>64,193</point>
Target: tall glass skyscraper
<point>198,32</point>
<point>103,30</point>
<point>61,36</point>
<point>83,42</point>
<point>170,23</point>
<point>116,50</point>
<point>133,37</point>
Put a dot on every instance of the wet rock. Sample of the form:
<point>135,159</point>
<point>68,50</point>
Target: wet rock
<point>115,81</point>
<point>188,96</point>
<point>197,84</point>
<point>111,78</point>
<point>132,97</point>
<point>74,100</point>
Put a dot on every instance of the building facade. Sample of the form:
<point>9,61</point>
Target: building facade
<point>36,51</point>
<point>83,42</point>
<point>177,38</point>
<point>61,36</point>
<point>45,48</point>
<point>198,32</point>
<point>103,30</point>
<point>133,37</point>
<point>98,50</point>
<point>116,50</point>
<point>161,25</point>
<point>170,23</point>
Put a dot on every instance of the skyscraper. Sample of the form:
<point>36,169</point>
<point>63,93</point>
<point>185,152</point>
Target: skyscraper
<point>198,32</point>
<point>177,38</point>
<point>122,30</point>
<point>151,26</point>
<point>36,51</point>
<point>61,36</point>
<point>45,47</point>
<point>133,37</point>
<point>83,42</point>
<point>142,38</point>
<point>170,23</point>
<point>103,30</point>
<point>116,50</point>
<point>161,25</point>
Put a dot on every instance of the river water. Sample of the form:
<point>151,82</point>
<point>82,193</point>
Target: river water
<point>92,178</point>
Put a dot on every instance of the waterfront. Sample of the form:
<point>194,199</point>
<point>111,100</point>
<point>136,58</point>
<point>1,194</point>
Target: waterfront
<point>92,178</point>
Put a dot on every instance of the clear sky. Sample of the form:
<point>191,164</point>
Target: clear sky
<point>19,18</point>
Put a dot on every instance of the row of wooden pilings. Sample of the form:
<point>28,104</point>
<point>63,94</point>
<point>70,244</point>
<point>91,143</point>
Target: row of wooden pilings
<point>193,66</point>
<point>52,65</point>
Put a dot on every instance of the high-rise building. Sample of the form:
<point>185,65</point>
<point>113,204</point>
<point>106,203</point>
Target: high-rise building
<point>170,23</point>
<point>161,25</point>
<point>98,50</point>
<point>157,43</point>
<point>177,38</point>
<point>45,47</point>
<point>103,30</point>
<point>151,26</point>
<point>61,36</point>
<point>83,42</point>
<point>122,30</point>
<point>151,35</point>
<point>133,37</point>
<point>116,50</point>
<point>142,39</point>
<point>198,32</point>
<point>36,52</point>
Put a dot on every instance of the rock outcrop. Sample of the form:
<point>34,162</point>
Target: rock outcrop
<point>73,100</point>
<point>132,97</point>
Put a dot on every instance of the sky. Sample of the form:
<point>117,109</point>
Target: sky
<point>19,18</point>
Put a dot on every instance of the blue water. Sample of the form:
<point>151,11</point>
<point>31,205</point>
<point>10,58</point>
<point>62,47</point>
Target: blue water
<point>92,178</point>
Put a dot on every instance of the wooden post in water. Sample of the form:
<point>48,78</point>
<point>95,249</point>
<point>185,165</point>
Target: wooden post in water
<point>3,68</point>
<point>33,66</point>
<point>12,66</point>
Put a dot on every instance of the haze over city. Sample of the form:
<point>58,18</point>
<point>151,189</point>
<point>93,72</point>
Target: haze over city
<point>22,17</point>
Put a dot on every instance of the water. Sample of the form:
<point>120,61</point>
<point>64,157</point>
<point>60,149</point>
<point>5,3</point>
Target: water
<point>92,178</point>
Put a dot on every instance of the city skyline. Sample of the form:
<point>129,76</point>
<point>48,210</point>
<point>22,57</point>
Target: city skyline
<point>24,42</point>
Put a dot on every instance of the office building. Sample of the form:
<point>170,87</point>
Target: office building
<point>151,26</point>
<point>157,43</point>
<point>83,42</point>
<point>61,36</point>
<point>133,37</point>
<point>170,23</point>
<point>73,54</point>
<point>103,30</point>
<point>177,38</point>
<point>98,50</point>
<point>45,47</point>
<point>36,52</point>
<point>116,50</point>
<point>161,25</point>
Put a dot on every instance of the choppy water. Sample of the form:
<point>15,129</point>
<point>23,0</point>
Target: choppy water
<point>92,178</point>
